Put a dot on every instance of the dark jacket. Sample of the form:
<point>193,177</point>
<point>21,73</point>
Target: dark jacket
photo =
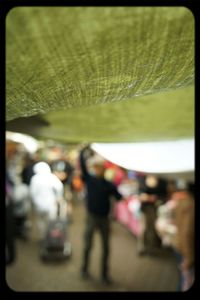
<point>99,191</point>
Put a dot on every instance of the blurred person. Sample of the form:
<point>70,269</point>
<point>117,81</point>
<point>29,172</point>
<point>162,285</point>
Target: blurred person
<point>171,188</point>
<point>175,224</point>
<point>28,168</point>
<point>27,171</point>
<point>10,228</point>
<point>20,201</point>
<point>184,239</point>
<point>99,191</point>
<point>64,171</point>
<point>165,223</point>
<point>149,196</point>
<point>46,191</point>
<point>21,208</point>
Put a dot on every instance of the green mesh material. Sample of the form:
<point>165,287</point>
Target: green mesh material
<point>157,117</point>
<point>164,116</point>
<point>71,61</point>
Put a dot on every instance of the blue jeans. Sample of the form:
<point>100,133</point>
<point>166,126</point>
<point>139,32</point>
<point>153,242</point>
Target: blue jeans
<point>179,259</point>
<point>182,278</point>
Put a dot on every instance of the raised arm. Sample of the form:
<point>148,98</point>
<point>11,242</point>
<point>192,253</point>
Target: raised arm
<point>83,162</point>
<point>85,153</point>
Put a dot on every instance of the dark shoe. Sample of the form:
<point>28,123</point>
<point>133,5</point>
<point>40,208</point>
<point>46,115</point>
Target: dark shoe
<point>106,280</point>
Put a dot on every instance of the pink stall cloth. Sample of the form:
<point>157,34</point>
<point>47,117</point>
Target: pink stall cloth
<point>127,212</point>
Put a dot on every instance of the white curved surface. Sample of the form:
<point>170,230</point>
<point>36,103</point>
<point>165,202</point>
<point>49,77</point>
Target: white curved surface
<point>28,141</point>
<point>155,157</point>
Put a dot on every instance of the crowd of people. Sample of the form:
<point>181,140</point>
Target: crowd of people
<point>39,184</point>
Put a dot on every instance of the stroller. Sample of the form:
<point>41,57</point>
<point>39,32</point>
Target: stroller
<point>56,245</point>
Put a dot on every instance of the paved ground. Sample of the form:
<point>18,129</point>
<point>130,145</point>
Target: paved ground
<point>129,272</point>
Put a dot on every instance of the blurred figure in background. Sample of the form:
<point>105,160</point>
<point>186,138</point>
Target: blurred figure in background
<point>64,171</point>
<point>150,195</point>
<point>23,205</point>
<point>10,227</point>
<point>165,223</point>
<point>99,191</point>
<point>21,208</point>
<point>171,188</point>
<point>184,239</point>
<point>175,225</point>
<point>20,191</point>
<point>46,191</point>
<point>29,162</point>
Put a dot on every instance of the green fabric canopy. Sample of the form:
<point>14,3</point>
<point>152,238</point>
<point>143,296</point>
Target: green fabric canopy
<point>101,73</point>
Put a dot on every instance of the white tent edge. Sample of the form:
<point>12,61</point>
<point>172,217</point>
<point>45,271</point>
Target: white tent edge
<point>170,157</point>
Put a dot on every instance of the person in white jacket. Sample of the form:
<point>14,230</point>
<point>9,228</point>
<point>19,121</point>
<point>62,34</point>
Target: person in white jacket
<point>46,191</point>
